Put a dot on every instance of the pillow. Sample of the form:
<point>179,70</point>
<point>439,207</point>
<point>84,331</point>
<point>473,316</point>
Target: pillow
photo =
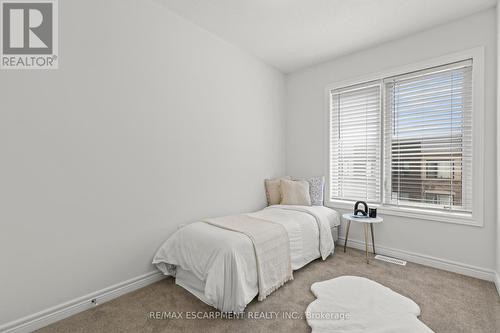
<point>273,192</point>
<point>295,192</point>
<point>316,189</point>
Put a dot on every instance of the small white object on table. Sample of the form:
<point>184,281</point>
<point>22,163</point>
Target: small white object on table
<point>367,221</point>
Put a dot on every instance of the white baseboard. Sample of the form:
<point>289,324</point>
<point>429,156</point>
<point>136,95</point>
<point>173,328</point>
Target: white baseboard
<point>497,282</point>
<point>447,265</point>
<point>61,311</point>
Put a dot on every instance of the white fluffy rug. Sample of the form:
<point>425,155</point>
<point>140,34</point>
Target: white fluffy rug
<point>355,304</point>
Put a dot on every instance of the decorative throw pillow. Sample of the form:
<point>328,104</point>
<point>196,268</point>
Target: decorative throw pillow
<point>295,192</point>
<point>273,192</point>
<point>316,189</point>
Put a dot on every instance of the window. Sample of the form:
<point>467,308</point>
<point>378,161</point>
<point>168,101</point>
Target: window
<point>355,143</point>
<point>405,141</point>
<point>428,118</point>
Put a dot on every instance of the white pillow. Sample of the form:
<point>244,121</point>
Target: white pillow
<point>295,192</point>
<point>316,189</point>
<point>273,192</point>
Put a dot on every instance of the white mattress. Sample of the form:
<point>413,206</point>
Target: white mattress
<point>218,266</point>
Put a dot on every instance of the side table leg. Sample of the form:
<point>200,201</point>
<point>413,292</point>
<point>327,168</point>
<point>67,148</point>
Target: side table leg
<point>347,233</point>
<point>373,238</point>
<point>365,226</point>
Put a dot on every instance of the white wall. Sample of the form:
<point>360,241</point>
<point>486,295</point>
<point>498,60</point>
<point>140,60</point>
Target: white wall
<point>497,277</point>
<point>148,123</point>
<point>306,138</point>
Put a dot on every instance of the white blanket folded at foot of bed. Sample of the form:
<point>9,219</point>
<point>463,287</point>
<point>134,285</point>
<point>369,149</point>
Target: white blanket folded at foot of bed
<point>271,245</point>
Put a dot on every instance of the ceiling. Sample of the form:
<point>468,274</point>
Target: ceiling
<point>293,34</point>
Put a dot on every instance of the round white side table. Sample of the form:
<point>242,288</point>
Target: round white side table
<point>366,221</point>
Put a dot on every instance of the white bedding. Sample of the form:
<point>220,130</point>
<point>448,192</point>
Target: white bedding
<point>225,260</point>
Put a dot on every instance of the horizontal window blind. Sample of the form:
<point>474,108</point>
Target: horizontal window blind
<point>355,143</point>
<point>428,138</point>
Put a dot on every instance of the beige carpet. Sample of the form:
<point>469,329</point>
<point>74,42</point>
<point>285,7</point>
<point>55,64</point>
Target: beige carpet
<point>449,302</point>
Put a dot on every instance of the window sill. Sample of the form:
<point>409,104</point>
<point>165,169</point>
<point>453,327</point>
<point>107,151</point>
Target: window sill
<point>415,213</point>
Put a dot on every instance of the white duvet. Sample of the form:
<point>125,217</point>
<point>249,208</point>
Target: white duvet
<point>225,260</point>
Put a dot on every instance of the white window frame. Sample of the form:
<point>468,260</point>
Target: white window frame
<point>474,219</point>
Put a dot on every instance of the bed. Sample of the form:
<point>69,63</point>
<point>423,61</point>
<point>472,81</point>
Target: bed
<point>219,266</point>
